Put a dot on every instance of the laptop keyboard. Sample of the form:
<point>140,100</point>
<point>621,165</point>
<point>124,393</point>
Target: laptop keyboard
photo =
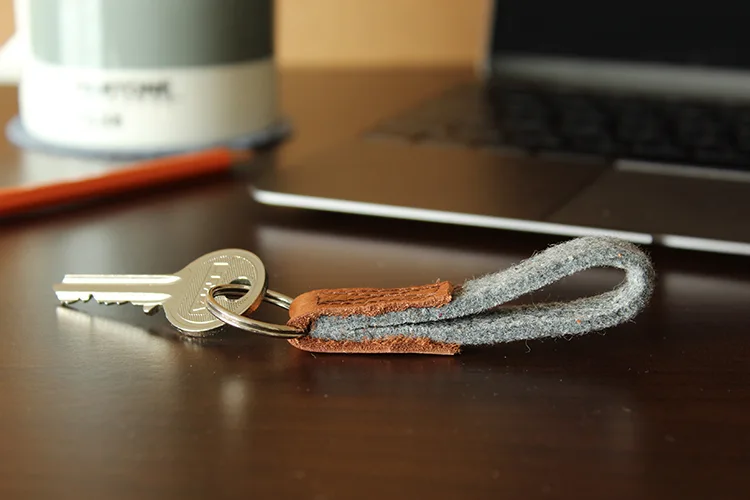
<point>613,127</point>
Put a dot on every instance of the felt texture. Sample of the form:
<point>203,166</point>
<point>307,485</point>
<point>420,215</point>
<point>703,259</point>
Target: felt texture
<point>345,302</point>
<point>474,315</point>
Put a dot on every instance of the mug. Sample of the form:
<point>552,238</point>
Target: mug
<point>135,75</point>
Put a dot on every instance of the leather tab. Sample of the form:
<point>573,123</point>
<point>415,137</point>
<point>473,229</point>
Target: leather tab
<point>308,307</point>
<point>396,344</point>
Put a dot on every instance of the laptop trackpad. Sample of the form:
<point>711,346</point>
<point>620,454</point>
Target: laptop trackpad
<point>361,176</point>
<point>663,204</point>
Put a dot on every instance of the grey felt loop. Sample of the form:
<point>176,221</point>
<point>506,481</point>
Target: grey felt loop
<point>474,316</point>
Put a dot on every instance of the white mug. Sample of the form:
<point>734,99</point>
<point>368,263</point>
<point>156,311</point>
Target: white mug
<point>145,75</point>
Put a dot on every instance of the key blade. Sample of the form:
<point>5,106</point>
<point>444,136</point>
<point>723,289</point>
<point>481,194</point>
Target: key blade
<point>120,279</point>
<point>143,290</point>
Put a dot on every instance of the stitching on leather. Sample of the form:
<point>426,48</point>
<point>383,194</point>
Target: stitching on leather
<point>395,343</point>
<point>367,296</point>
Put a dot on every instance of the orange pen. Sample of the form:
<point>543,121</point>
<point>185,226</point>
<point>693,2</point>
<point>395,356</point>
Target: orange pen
<point>147,173</point>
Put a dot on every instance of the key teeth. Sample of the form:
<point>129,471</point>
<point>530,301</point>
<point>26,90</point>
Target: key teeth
<point>76,299</point>
<point>90,297</point>
<point>151,309</point>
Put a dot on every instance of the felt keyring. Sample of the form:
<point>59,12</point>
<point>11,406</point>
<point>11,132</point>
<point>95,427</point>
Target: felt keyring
<point>440,318</point>
<point>436,318</point>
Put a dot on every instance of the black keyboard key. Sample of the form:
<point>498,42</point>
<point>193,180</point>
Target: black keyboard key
<point>639,124</point>
<point>580,118</point>
<point>743,138</point>
<point>741,132</point>
<point>523,112</point>
<point>697,128</point>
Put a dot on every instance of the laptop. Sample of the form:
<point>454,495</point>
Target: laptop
<point>629,119</point>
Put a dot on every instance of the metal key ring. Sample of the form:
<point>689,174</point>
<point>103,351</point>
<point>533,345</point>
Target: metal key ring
<point>251,325</point>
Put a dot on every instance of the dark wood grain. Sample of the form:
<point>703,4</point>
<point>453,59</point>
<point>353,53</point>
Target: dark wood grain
<point>105,402</point>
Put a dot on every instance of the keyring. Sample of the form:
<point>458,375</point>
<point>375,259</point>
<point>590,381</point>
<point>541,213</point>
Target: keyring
<point>251,325</point>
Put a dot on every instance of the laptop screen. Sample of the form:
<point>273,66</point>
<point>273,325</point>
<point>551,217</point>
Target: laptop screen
<point>715,33</point>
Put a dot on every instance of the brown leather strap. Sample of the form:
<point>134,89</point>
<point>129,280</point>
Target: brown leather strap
<point>309,306</point>
<point>366,301</point>
<point>394,344</point>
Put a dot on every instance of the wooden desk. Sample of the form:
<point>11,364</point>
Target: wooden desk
<point>106,402</point>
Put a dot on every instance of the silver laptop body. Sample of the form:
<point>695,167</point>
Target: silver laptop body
<point>586,118</point>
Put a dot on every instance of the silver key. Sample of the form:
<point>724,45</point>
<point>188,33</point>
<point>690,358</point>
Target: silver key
<point>182,295</point>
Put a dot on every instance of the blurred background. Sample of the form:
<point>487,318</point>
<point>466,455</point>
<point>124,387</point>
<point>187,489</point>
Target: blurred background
<point>384,33</point>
